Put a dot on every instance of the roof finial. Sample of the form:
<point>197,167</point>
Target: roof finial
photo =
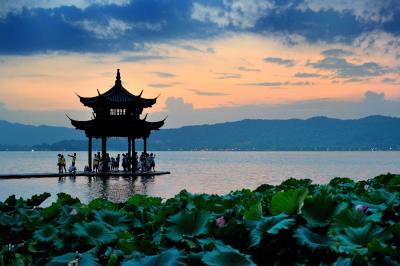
<point>118,79</point>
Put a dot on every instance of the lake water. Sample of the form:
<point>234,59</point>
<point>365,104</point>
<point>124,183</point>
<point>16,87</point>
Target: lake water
<point>198,172</point>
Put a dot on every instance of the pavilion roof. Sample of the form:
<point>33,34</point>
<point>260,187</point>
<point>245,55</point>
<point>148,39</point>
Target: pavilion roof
<point>109,127</point>
<point>116,97</point>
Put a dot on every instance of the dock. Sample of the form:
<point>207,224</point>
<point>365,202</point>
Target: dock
<point>81,173</point>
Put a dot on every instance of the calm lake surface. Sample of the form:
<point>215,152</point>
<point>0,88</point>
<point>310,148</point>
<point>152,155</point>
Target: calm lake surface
<point>198,172</point>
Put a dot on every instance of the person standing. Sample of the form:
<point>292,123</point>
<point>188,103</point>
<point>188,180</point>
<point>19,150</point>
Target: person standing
<point>96,161</point>
<point>73,156</point>
<point>59,164</point>
<point>63,163</point>
<point>117,162</point>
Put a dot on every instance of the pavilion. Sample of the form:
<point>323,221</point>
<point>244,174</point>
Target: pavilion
<point>116,113</point>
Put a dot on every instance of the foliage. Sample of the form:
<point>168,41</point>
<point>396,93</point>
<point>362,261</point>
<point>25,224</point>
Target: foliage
<point>295,223</point>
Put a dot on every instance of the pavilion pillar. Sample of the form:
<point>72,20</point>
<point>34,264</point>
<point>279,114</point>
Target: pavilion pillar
<point>103,148</point>
<point>145,145</point>
<point>90,153</point>
<point>133,155</point>
<point>129,151</point>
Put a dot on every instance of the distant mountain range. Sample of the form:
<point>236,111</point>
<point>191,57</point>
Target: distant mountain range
<point>317,133</point>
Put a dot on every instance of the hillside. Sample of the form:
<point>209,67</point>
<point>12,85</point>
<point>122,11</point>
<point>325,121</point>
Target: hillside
<point>317,133</point>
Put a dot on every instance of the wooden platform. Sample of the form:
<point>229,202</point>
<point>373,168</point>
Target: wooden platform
<point>89,174</point>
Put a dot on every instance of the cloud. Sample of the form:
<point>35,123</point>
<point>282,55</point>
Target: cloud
<point>141,58</point>
<point>17,6</point>
<point>354,80</point>
<point>236,13</point>
<point>390,81</point>
<point>345,69</point>
<point>280,84</point>
<point>111,29</point>
<point>336,53</point>
<point>307,75</point>
<point>280,61</point>
<point>163,85</point>
<point>207,93</point>
<point>246,69</point>
<point>164,74</point>
<point>364,10</point>
<point>227,76</point>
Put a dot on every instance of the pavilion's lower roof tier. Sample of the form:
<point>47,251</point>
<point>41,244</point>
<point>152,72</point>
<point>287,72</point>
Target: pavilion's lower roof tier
<point>113,128</point>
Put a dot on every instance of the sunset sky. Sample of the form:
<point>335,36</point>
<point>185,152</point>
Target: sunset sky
<point>210,61</point>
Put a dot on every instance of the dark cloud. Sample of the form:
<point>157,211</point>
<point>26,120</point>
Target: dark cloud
<point>103,26</point>
<point>354,80</point>
<point>280,84</point>
<point>345,69</point>
<point>389,81</point>
<point>280,61</point>
<point>140,58</point>
<point>336,53</point>
<point>227,76</point>
<point>307,75</point>
<point>164,74</point>
<point>246,69</point>
<point>208,93</point>
<point>163,85</point>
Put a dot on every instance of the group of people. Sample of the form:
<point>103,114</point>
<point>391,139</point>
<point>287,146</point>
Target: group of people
<point>144,163</point>
<point>61,163</point>
<point>110,163</point>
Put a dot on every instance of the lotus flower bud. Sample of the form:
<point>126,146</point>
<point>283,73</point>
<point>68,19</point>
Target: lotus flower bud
<point>361,208</point>
<point>73,212</point>
<point>366,187</point>
<point>220,221</point>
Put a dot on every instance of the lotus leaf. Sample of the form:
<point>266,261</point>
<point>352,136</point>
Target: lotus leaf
<point>46,234</point>
<point>355,240</point>
<point>186,223</point>
<point>115,221</point>
<point>170,257</point>
<point>311,239</point>
<point>224,255</point>
<point>289,202</point>
<point>270,225</point>
<point>93,233</point>
<point>318,210</point>
<point>254,211</point>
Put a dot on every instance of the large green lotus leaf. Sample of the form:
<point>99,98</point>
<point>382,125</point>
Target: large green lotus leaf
<point>311,239</point>
<point>88,259</point>
<point>63,259</point>
<point>102,204</point>
<point>395,181</point>
<point>319,209</point>
<point>126,242</point>
<point>93,232</point>
<point>289,202</point>
<point>116,221</point>
<point>342,262</point>
<point>337,181</point>
<point>143,201</point>
<point>254,211</point>
<point>352,218</point>
<point>377,200</point>
<point>269,225</point>
<point>379,248</point>
<point>46,234</point>
<point>186,223</point>
<point>170,257</point>
<point>355,240</point>
<point>225,255</point>
<point>66,199</point>
<point>295,183</point>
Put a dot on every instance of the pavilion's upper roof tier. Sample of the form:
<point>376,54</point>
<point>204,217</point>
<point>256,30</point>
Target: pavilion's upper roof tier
<point>117,97</point>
